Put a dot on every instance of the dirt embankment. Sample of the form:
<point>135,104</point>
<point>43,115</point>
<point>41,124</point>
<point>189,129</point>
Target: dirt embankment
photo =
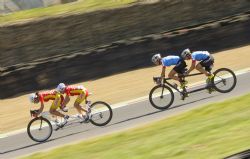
<point>26,42</point>
<point>124,55</point>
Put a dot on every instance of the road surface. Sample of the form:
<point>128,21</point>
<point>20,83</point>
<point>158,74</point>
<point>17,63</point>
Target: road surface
<point>127,116</point>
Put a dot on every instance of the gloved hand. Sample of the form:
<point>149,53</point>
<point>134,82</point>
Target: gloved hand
<point>185,73</point>
<point>158,81</point>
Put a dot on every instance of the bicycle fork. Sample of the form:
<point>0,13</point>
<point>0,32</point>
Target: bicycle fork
<point>162,92</point>
<point>184,93</point>
<point>41,123</point>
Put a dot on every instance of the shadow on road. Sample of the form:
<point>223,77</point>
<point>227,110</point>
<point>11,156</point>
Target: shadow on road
<point>119,122</point>
<point>158,111</point>
<point>50,140</point>
<point>201,99</point>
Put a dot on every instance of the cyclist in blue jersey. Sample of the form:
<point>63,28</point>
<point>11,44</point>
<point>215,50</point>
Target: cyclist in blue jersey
<point>176,61</point>
<point>205,59</point>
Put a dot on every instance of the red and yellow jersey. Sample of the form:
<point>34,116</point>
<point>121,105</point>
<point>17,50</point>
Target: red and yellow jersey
<point>76,90</point>
<point>49,95</point>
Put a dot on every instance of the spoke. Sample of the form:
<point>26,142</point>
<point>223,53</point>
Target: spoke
<point>162,92</point>
<point>41,125</point>
<point>219,82</point>
<point>161,97</point>
<point>39,130</point>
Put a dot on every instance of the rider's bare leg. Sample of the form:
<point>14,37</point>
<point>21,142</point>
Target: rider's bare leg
<point>79,108</point>
<point>56,113</point>
<point>82,97</point>
<point>200,69</point>
<point>172,75</point>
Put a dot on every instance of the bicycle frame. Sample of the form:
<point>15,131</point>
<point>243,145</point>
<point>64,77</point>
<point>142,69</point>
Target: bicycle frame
<point>95,115</point>
<point>49,116</point>
<point>165,82</point>
<point>164,86</point>
<point>46,124</point>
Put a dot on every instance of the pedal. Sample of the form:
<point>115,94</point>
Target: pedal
<point>182,96</point>
<point>175,85</point>
<point>100,115</point>
<point>210,90</point>
<point>57,128</point>
<point>86,119</point>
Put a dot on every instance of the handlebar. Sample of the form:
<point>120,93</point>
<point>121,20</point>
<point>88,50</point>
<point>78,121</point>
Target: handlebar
<point>34,112</point>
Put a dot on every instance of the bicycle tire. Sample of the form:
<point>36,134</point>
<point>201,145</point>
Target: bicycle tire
<point>42,120</point>
<point>233,84</point>
<point>166,106</point>
<point>94,122</point>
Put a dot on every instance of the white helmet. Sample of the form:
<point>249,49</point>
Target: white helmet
<point>156,58</point>
<point>185,53</point>
<point>60,87</point>
<point>32,97</point>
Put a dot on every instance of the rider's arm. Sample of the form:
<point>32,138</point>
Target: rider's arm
<point>41,108</point>
<point>163,71</point>
<point>65,101</point>
<point>191,67</point>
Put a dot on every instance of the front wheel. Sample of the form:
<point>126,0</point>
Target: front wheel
<point>101,113</point>
<point>224,80</point>
<point>39,129</point>
<point>161,97</point>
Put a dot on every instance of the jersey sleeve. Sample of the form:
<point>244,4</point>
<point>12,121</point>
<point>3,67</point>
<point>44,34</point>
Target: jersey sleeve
<point>162,63</point>
<point>57,101</point>
<point>62,98</point>
<point>193,58</point>
<point>41,99</point>
<point>86,92</point>
<point>67,91</point>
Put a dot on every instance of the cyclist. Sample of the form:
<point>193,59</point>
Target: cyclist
<point>81,93</point>
<point>45,96</point>
<point>205,59</point>
<point>176,61</point>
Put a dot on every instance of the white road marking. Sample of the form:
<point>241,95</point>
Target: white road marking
<point>196,84</point>
<point>126,103</point>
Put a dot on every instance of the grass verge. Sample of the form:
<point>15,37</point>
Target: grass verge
<point>70,8</point>
<point>212,132</point>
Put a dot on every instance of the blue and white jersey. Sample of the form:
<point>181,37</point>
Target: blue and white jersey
<point>200,55</point>
<point>170,60</point>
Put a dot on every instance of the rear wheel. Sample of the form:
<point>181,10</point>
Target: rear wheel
<point>161,97</point>
<point>224,80</point>
<point>39,129</point>
<point>101,113</point>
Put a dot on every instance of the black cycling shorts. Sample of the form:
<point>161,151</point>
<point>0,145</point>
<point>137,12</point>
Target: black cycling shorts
<point>180,67</point>
<point>208,63</point>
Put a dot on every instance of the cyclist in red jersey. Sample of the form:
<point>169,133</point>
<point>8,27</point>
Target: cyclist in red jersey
<point>45,96</point>
<point>81,93</point>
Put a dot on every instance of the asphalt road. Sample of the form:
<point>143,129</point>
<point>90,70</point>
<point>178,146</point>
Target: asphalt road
<point>130,115</point>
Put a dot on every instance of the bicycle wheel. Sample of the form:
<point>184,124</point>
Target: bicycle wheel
<point>224,80</point>
<point>101,113</point>
<point>39,129</point>
<point>161,97</point>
